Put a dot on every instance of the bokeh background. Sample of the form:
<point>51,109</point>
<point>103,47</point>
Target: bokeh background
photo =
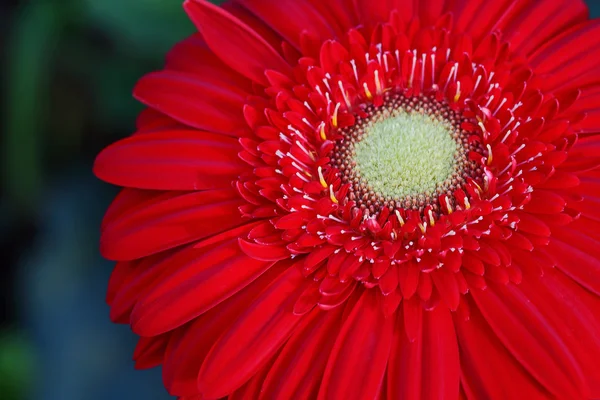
<point>67,70</point>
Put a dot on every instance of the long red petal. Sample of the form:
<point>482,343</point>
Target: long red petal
<point>481,355</point>
<point>528,336</point>
<point>249,53</point>
<point>359,358</point>
<point>299,368</point>
<point>171,160</point>
<point>173,221</point>
<point>190,343</point>
<point>253,338</point>
<point>175,298</point>
<point>203,103</point>
<point>427,367</point>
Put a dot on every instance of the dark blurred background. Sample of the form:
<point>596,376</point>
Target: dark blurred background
<point>67,70</point>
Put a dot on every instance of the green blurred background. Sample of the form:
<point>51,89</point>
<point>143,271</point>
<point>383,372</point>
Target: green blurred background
<point>68,68</point>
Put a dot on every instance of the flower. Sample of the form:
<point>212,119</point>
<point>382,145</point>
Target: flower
<point>358,199</point>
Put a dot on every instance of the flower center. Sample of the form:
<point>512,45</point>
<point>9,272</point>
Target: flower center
<point>404,154</point>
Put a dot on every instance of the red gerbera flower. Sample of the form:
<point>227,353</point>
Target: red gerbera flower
<point>357,199</point>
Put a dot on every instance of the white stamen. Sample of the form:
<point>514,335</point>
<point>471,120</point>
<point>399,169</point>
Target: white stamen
<point>285,138</point>
<point>299,175</point>
<point>353,63</point>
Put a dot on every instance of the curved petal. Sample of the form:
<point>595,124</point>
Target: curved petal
<point>123,272</point>
<point>359,357</point>
<point>130,199</point>
<point>527,334</point>
<point>427,367</point>
<point>190,343</point>
<point>150,120</point>
<point>193,56</point>
<point>248,53</point>
<point>253,338</point>
<point>253,388</point>
<point>253,22</point>
<point>276,15</point>
<point>198,280</point>
<point>584,155</point>
<point>577,256</point>
<point>374,12</point>
<point>488,369</point>
<point>173,220</point>
<point>171,160</point>
<point>147,271</point>
<point>531,24</point>
<point>574,314</point>
<point>568,62</point>
<point>298,370</point>
<point>517,19</point>
<point>203,103</point>
<point>149,351</point>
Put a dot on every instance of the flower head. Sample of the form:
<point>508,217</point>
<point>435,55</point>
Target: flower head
<point>356,199</point>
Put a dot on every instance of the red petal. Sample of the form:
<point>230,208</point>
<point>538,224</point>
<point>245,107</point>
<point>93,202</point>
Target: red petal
<point>276,15</point>
<point>150,351</point>
<point>191,343</point>
<point>358,360</point>
<point>445,283</point>
<point>173,221</point>
<point>241,47</point>
<point>530,224</point>
<point>573,314</point>
<point>197,281</point>
<point>577,257</point>
<point>488,369</point>
<point>200,102</point>
<point>171,160</point>
<point>264,252</point>
<point>124,271</point>
<point>193,55</point>
<point>374,12</point>
<point>440,356</point>
<point>528,336</point>
<point>147,271</point>
<point>537,23</point>
<point>432,353</point>
<point>298,370</point>
<point>253,338</point>
<point>567,56</point>
<point>253,388</point>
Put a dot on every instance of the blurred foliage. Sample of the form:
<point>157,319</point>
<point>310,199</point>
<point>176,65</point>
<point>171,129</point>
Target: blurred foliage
<point>69,70</point>
<point>16,364</point>
<point>131,23</point>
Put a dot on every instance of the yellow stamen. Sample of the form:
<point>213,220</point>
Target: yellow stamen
<point>479,189</point>
<point>334,117</point>
<point>321,178</point>
<point>400,219</point>
<point>431,220</point>
<point>448,205</point>
<point>423,227</point>
<point>467,204</point>
<point>367,91</point>
<point>322,132</point>
<point>490,156</point>
<point>457,95</point>
<point>331,195</point>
